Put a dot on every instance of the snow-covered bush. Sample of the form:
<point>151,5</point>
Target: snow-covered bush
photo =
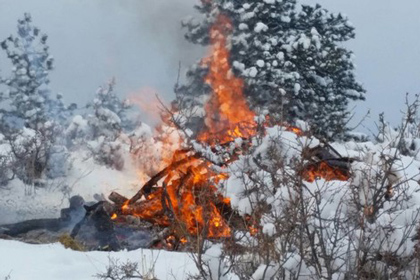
<point>117,270</point>
<point>109,153</point>
<point>6,173</point>
<point>77,132</point>
<point>59,162</point>
<point>35,155</point>
<point>406,137</point>
<point>109,116</point>
<point>362,228</point>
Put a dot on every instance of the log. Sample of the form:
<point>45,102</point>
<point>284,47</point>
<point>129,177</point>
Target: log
<point>26,226</point>
<point>159,237</point>
<point>67,217</point>
<point>117,198</point>
<point>98,215</point>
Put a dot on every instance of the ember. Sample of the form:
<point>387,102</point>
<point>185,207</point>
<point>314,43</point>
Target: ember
<point>326,171</point>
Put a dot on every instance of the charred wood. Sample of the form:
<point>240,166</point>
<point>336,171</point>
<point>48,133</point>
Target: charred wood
<point>67,217</point>
<point>98,215</point>
<point>117,198</point>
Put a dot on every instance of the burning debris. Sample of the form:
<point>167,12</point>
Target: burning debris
<point>181,201</point>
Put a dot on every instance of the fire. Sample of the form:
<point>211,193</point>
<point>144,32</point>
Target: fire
<point>227,113</point>
<point>186,197</point>
<point>326,171</point>
<point>188,193</point>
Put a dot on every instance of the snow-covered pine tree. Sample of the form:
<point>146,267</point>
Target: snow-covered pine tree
<point>291,58</point>
<point>28,92</point>
<point>31,117</point>
<point>111,113</point>
<point>105,125</point>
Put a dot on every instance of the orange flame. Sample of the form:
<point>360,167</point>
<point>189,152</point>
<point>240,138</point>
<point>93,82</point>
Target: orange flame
<point>227,113</point>
<point>325,171</point>
<point>186,191</point>
<point>189,195</point>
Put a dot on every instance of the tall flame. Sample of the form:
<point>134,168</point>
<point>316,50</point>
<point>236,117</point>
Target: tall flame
<point>227,113</point>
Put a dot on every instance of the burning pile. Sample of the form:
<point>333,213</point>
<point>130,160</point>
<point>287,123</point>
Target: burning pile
<point>184,195</point>
<point>188,191</point>
<point>188,194</point>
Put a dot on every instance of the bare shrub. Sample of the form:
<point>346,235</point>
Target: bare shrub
<point>124,271</point>
<point>364,228</point>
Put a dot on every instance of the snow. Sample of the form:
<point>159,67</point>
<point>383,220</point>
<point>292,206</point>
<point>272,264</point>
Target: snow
<point>53,261</point>
<point>252,72</point>
<point>280,56</point>
<point>269,229</point>
<point>260,63</point>
<point>19,201</point>
<point>285,19</point>
<point>297,87</point>
<point>243,26</point>
<point>260,27</point>
<point>314,31</point>
<point>247,16</point>
<point>246,6</point>
<point>238,65</point>
<point>265,272</point>
<point>304,41</point>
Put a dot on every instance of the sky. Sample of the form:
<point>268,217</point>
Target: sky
<point>140,43</point>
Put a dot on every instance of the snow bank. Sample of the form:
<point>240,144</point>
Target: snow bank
<point>52,261</point>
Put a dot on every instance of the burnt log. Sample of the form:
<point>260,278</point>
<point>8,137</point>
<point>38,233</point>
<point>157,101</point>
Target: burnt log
<point>117,198</point>
<point>68,216</point>
<point>26,226</point>
<point>98,215</point>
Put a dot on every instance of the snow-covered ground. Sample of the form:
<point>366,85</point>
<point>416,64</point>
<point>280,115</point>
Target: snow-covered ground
<point>23,261</point>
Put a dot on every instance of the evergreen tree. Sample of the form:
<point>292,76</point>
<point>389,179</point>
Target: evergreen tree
<point>31,117</point>
<point>110,112</point>
<point>290,57</point>
<point>27,85</point>
<point>102,127</point>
